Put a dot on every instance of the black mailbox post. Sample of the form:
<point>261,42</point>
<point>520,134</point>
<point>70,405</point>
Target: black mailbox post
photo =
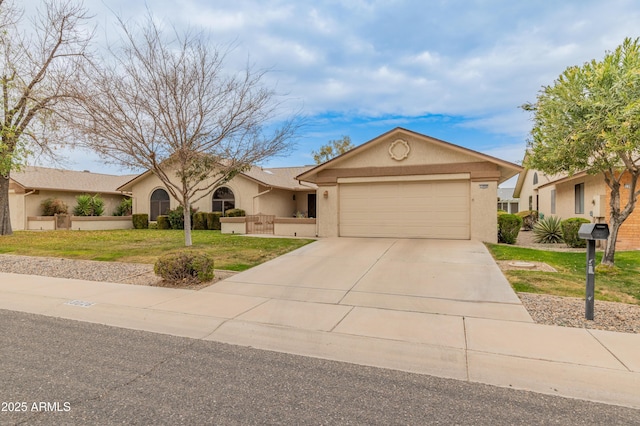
<point>592,232</point>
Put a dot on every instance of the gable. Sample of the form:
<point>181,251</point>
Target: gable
<point>402,152</point>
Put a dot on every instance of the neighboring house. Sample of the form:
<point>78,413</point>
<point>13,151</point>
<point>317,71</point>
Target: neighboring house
<point>507,202</point>
<point>405,184</point>
<point>580,195</point>
<point>32,185</point>
<point>273,191</point>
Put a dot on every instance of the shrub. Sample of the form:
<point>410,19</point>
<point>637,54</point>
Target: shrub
<point>140,220</point>
<point>89,205</point>
<point>235,213</point>
<point>162,222</point>
<point>125,208</point>
<point>185,266</point>
<point>176,217</point>
<point>570,229</point>
<point>508,228</point>
<point>547,230</point>
<point>200,221</point>
<point>213,221</point>
<point>529,218</point>
<point>53,206</point>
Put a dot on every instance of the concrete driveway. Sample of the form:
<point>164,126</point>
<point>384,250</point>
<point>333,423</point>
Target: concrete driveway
<point>427,276</point>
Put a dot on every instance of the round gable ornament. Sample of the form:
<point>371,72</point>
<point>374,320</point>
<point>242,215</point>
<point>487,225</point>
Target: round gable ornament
<point>399,150</point>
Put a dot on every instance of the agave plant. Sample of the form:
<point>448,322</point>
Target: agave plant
<point>548,230</point>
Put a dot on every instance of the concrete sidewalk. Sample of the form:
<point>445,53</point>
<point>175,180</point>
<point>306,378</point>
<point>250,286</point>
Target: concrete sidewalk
<point>380,305</point>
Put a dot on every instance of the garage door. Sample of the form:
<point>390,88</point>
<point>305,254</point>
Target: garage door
<point>420,209</point>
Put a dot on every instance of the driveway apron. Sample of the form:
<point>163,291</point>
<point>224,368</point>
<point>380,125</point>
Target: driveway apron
<point>449,277</point>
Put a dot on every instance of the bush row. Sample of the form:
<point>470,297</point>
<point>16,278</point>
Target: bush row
<point>175,219</point>
<point>547,230</point>
<point>86,205</point>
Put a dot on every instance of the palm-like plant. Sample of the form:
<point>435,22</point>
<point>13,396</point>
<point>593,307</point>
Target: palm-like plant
<point>548,230</point>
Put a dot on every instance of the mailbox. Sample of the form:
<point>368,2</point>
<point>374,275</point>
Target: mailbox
<point>594,231</point>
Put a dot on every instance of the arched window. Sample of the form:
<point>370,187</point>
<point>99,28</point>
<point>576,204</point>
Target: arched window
<point>223,200</point>
<point>159,203</point>
<point>535,178</point>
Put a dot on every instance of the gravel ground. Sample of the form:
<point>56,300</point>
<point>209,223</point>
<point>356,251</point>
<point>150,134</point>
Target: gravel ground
<point>544,309</point>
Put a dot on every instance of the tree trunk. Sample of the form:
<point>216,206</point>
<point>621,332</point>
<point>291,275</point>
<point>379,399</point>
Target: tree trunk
<point>610,249</point>
<point>187,224</point>
<point>5,216</point>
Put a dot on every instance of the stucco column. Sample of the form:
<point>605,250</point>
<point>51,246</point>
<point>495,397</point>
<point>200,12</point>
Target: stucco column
<point>327,206</point>
<point>484,198</point>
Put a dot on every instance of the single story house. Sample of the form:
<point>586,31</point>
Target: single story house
<point>29,187</point>
<point>581,195</point>
<point>409,185</point>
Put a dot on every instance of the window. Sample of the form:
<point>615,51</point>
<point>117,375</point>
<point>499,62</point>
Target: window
<point>553,201</point>
<point>159,204</point>
<point>535,178</point>
<point>579,190</point>
<point>223,200</point>
<point>530,202</point>
<point>513,208</point>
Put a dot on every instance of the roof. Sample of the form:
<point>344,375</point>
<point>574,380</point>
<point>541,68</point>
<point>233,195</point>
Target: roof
<point>45,178</point>
<point>280,177</point>
<point>507,168</point>
<point>505,194</point>
<point>277,177</point>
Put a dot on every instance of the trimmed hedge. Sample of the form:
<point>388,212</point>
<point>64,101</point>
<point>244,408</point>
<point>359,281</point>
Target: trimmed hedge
<point>213,221</point>
<point>508,228</point>
<point>163,222</point>
<point>140,220</point>
<point>570,229</point>
<point>185,267</point>
<point>235,213</point>
<point>176,217</point>
<point>200,221</point>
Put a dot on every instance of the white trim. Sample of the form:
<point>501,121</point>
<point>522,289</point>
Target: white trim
<point>412,178</point>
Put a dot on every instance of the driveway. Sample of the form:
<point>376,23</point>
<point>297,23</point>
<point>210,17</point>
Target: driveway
<point>449,277</point>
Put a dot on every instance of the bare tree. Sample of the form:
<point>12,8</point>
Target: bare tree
<point>165,103</point>
<point>38,69</point>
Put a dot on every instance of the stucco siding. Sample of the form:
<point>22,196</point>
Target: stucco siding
<point>565,197</point>
<point>484,226</point>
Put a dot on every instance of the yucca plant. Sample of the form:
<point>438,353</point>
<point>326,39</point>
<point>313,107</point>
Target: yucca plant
<point>548,230</point>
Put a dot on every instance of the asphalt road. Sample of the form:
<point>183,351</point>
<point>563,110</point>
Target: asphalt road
<point>56,371</point>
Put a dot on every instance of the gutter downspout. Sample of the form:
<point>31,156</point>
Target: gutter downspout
<point>26,220</point>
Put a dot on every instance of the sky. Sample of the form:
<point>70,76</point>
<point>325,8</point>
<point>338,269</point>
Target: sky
<point>454,70</point>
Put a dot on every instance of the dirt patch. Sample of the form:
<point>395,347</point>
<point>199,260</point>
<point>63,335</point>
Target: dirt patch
<point>517,265</point>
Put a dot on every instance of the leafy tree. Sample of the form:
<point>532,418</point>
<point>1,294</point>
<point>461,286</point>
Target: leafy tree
<point>589,120</point>
<point>332,149</point>
<point>165,102</point>
<point>38,69</point>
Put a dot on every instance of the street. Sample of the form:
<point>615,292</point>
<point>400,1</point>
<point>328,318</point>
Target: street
<point>57,371</point>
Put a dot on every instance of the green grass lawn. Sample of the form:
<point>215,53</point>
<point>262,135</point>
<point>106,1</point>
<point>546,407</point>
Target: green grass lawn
<point>620,284</point>
<point>231,252</point>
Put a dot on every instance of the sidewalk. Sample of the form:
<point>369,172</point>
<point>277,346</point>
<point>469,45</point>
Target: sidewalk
<point>459,340</point>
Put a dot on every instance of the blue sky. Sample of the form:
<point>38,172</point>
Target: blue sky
<point>455,70</point>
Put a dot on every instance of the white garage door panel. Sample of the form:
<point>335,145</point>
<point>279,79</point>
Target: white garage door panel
<point>405,209</point>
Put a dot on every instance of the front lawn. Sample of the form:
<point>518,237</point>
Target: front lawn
<point>622,284</point>
<point>231,252</point>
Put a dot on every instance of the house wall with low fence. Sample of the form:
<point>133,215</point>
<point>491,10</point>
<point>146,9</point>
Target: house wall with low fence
<point>80,223</point>
<point>282,226</point>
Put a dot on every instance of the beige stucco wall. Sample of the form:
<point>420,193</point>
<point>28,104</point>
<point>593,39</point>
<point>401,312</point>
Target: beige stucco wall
<point>594,187</point>
<point>16,211</point>
<point>327,209</point>
<point>291,227</point>
<point>377,154</point>
<point>277,202</point>
<point>483,199</point>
